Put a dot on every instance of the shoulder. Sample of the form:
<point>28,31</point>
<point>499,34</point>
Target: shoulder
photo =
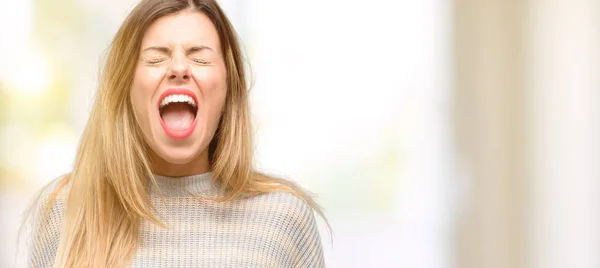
<point>50,201</point>
<point>292,219</point>
<point>280,194</point>
<point>283,205</point>
<point>279,202</point>
<point>51,198</point>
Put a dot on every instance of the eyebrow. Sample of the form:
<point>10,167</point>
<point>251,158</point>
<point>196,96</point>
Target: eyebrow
<point>187,51</point>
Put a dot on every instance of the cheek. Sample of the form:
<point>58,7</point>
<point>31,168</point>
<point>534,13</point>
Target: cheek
<point>213,86</point>
<point>144,84</point>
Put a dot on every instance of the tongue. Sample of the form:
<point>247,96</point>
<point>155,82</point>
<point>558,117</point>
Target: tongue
<point>177,116</point>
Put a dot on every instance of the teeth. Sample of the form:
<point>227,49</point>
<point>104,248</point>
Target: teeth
<point>177,98</point>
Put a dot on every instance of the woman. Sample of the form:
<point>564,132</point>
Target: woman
<point>163,175</point>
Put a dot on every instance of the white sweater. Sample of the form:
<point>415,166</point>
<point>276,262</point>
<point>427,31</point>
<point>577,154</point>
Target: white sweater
<point>269,230</point>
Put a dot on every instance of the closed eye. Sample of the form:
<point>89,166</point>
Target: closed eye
<point>200,61</point>
<point>155,60</point>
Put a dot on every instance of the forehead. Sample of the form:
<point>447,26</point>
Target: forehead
<point>186,28</point>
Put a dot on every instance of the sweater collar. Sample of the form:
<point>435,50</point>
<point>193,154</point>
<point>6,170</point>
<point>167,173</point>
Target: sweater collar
<point>199,184</point>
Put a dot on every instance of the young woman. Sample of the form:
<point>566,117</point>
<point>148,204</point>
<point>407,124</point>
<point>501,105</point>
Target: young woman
<point>163,174</point>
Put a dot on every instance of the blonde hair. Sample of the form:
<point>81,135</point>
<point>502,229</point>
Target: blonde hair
<point>107,197</point>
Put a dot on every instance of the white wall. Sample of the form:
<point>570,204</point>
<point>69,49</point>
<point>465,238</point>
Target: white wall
<point>565,124</point>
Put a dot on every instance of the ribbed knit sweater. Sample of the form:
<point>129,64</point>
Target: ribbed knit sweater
<point>268,230</point>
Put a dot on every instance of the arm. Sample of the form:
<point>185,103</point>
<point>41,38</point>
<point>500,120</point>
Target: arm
<point>45,235</point>
<point>307,239</point>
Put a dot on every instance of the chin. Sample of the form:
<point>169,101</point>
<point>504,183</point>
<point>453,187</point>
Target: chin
<point>178,156</point>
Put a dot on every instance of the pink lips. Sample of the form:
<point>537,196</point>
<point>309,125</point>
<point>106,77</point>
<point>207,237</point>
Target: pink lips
<point>177,134</point>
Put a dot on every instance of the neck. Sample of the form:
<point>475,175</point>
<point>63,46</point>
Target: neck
<point>163,168</point>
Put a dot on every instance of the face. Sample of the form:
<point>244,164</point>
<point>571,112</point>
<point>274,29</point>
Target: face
<point>179,89</point>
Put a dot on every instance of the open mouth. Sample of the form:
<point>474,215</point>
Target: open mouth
<point>178,109</point>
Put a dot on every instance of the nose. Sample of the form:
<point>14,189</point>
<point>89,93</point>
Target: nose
<point>179,71</point>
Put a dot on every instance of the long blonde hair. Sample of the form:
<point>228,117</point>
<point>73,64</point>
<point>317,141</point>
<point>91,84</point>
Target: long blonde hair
<point>107,197</point>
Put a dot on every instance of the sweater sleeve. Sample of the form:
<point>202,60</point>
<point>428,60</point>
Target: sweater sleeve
<point>45,235</point>
<point>306,238</point>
